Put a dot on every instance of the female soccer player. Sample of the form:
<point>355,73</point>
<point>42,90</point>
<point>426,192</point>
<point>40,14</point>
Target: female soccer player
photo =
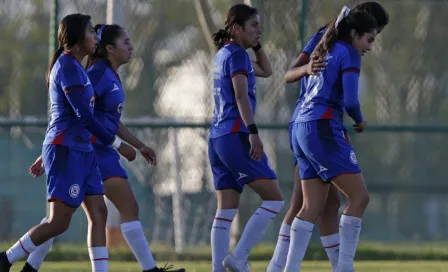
<point>70,164</point>
<point>114,49</point>
<point>235,149</point>
<point>328,220</point>
<point>323,154</point>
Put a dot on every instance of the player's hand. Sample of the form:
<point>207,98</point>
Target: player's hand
<point>359,127</point>
<point>256,147</point>
<point>149,155</point>
<point>127,151</point>
<point>37,168</point>
<point>315,65</point>
<point>347,138</point>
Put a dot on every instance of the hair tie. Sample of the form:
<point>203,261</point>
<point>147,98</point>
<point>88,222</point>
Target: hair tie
<point>344,13</point>
<point>100,32</point>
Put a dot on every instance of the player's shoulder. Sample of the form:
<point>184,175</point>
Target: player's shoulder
<point>97,71</point>
<point>68,64</point>
<point>320,33</point>
<point>234,49</point>
<point>342,48</point>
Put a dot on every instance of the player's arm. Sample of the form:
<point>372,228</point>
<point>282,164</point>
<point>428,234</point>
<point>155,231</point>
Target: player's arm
<point>73,85</point>
<point>298,69</point>
<point>127,136</point>
<point>80,104</point>
<point>240,86</point>
<point>261,64</point>
<point>351,64</point>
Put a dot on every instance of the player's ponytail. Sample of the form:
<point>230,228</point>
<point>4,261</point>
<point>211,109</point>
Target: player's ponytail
<point>71,31</point>
<point>220,38</point>
<point>341,29</point>
<point>53,61</point>
<point>237,14</point>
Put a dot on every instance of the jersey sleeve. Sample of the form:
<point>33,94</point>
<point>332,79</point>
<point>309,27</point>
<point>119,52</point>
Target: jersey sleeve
<point>350,68</point>
<point>71,78</point>
<point>80,102</point>
<point>312,43</point>
<point>238,63</point>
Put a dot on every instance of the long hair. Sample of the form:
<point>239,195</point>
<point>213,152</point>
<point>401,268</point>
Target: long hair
<point>71,31</point>
<point>359,21</point>
<point>237,14</point>
<point>107,35</point>
<point>376,10</point>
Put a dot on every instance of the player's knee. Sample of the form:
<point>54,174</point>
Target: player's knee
<point>58,225</point>
<point>361,200</point>
<point>333,203</point>
<point>130,212</point>
<point>313,210</point>
<point>98,215</point>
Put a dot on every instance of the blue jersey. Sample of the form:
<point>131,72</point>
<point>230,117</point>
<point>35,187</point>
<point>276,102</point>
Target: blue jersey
<point>72,103</point>
<point>109,102</point>
<point>326,95</point>
<point>308,50</point>
<point>230,61</point>
<point>64,127</point>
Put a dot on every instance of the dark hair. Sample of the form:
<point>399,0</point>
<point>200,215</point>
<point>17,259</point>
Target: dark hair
<point>360,21</point>
<point>108,36</point>
<point>237,14</point>
<point>71,31</point>
<point>376,10</point>
<point>373,8</point>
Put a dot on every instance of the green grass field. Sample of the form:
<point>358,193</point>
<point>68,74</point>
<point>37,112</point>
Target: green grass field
<point>321,266</point>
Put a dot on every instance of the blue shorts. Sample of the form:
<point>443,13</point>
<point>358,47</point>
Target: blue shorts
<point>109,162</point>
<point>321,150</point>
<point>71,174</point>
<point>231,164</point>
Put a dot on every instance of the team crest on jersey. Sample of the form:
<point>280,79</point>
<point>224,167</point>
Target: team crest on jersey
<point>120,107</point>
<point>353,157</point>
<point>74,190</point>
<point>92,101</point>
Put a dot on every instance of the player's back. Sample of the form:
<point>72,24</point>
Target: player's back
<point>64,128</point>
<point>322,94</point>
<point>230,61</point>
<point>109,102</point>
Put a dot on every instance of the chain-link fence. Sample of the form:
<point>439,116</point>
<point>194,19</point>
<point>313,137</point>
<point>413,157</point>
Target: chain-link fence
<point>403,81</point>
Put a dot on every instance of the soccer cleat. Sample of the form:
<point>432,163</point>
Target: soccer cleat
<point>235,265</point>
<point>5,265</point>
<point>166,268</point>
<point>28,268</point>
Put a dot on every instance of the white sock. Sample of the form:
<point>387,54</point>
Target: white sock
<point>301,232</point>
<point>331,245</point>
<point>37,257</point>
<point>220,237</point>
<point>20,249</point>
<point>349,229</point>
<point>278,260</point>
<point>99,259</point>
<point>135,237</point>
<point>256,227</point>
